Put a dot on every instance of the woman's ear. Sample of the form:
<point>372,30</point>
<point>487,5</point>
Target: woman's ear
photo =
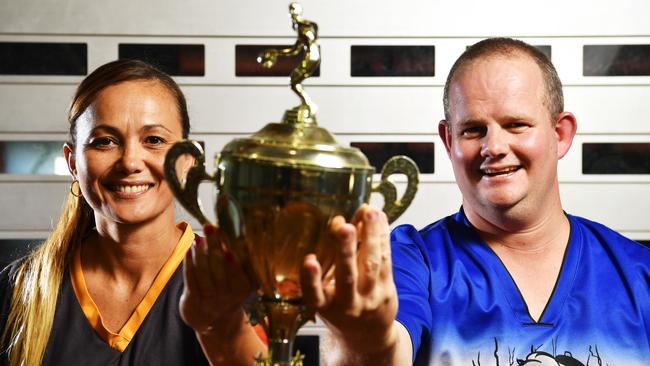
<point>68,153</point>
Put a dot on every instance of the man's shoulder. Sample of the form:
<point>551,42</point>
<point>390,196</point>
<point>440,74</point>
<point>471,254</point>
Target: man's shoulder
<point>594,232</point>
<point>430,232</point>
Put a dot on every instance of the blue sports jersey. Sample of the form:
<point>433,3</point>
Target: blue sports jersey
<point>461,306</point>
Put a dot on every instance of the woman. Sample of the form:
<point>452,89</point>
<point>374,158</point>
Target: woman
<point>104,288</point>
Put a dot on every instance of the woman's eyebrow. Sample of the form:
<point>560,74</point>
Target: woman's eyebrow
<point>155,126</point>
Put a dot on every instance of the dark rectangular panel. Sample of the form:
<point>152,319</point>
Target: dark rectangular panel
<point>545,50</point>
<point>616,60</point>
<point>174,59</point>
<point>616,158</point>
<point>379,152</point>
<point>645,242</point>
<point>246,61</point>
<point>40,58</point>
<point>392,61</point>
<point>12,249</point>
<point>308,346</point>
<point>32,157</point>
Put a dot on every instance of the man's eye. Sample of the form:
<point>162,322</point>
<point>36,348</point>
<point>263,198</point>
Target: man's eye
<point>472,131</point>
<point>517,125</point>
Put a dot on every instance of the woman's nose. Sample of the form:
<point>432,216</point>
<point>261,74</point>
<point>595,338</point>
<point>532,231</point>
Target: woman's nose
<point>132,160</point>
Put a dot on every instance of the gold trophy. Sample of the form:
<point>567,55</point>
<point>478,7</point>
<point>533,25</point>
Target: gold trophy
<point>277,192</point>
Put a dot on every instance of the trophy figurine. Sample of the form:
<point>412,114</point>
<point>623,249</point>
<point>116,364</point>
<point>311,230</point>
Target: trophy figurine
<point>277,191</point>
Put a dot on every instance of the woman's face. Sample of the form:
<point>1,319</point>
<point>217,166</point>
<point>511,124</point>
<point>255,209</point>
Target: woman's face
<point>122,139</point>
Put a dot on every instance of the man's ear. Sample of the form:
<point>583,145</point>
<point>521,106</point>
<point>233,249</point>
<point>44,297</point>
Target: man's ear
<point>68,152</point>
<point>565,130</point>
<point>444,130</point>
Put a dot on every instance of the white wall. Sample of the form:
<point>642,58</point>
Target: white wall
<point>222,106</point>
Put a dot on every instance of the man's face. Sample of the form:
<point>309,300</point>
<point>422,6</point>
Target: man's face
<point>500,137</point>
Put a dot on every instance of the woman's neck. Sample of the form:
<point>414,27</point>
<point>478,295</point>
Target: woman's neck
<point>130,251</point>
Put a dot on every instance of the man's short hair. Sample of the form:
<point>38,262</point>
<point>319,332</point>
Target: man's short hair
<point>554,99</point>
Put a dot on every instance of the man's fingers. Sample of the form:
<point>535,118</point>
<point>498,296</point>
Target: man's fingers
<point>310,281</point>
<point>345,272</point>
<point>359,214</point>
<point>370,249</point>
<point>386,267</point>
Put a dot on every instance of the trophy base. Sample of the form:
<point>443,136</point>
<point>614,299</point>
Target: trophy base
<point>268,361</point>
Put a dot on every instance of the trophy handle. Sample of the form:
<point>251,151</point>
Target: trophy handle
<point>186,192</point>
<point>401,164</point>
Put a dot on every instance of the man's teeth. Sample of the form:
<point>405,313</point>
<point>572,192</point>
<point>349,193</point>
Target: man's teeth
<point>500,171</point>
<point>133,189</point>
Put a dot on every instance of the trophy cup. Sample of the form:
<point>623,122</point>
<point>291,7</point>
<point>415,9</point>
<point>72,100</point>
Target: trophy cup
<point>278,189</point>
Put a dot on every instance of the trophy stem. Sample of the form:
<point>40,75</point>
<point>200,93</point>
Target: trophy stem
<point>282,319</point>
<point>301,114</point>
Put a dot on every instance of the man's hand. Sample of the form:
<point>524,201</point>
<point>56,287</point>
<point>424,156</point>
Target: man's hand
<point>359,308</point>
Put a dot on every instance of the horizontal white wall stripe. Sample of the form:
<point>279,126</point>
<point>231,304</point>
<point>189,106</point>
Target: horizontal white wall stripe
<point>346,18</point>
<point>377,109</point>
<point>623,206</point>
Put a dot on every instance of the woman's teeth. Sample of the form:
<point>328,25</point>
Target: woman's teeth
<point>132,189</point>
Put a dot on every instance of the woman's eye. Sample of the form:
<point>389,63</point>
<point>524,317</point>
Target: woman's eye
<point>154,140</point>
<point>103,142</point>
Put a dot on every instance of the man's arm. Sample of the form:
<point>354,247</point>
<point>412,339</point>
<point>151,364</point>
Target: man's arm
<point>360,305</point>
<point>398,351</point>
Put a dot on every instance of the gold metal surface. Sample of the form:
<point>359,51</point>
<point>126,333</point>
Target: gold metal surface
<point>277,192</point>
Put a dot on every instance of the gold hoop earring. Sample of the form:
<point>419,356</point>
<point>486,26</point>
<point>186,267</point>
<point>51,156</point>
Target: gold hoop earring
<point>76,193</point>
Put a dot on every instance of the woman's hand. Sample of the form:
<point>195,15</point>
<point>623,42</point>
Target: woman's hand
<point>215,290</point>
<point>215,284</point>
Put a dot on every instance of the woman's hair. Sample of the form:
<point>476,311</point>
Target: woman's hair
<point>37,279</point>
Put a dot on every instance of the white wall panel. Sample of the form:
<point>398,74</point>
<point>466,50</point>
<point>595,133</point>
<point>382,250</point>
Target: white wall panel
<point>603,109</point>
<point>31,205</point>
<point>34,108</point>
<point>336,17</point>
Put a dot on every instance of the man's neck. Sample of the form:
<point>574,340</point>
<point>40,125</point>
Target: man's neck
<point>531,231</point>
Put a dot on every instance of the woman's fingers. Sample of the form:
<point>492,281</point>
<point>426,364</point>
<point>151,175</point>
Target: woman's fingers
<point>189,273</point>
<point>200,260</point>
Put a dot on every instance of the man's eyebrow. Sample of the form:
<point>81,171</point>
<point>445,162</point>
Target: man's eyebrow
<point>470,122</point>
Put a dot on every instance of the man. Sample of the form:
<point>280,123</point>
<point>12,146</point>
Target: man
<point>510,279</point>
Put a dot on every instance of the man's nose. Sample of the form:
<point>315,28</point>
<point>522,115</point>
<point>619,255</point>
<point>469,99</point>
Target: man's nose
<point>495,143</point>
